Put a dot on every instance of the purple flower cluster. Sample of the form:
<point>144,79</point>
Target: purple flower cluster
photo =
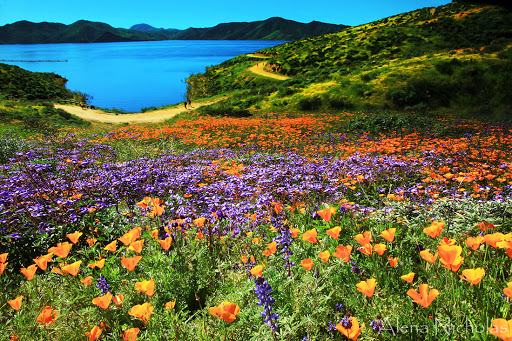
<point>45,187</point>
<point>263,291</point>
<point>103,285</point>
<point>377,325</point>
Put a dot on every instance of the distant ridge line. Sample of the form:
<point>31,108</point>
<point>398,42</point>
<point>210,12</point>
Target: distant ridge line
<point>35,60</point>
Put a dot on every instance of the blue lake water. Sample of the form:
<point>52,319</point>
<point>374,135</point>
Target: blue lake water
<point>129,75</point>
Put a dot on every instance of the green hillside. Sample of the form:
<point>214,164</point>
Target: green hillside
<point>271,29</point>
<point>454,58</point>
<point>82,31</point>
<point>17,83</point>
<point>27,96</point>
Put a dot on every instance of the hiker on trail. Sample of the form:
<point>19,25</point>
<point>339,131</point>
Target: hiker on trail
<point>185,103</point>
<point>189,103</point>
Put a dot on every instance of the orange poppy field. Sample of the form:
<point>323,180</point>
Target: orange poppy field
<point>280,227</point>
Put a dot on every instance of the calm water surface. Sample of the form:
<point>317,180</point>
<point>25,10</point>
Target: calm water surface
<point>132,75</point>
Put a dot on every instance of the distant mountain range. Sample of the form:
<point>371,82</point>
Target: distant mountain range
<point>82,31</point>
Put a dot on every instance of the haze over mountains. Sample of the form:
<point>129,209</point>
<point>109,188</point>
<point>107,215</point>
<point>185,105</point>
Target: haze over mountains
<point>82,31</point>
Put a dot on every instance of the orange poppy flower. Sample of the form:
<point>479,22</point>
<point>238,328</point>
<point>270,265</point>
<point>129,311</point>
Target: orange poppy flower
<point>244,259</point>
<point>450,256</point>
<point>103,301</point>
<point>310,236</point>
<point>142,311</point>
<point>2,267</point>
<point>502,329</point>
<point>94,334</point>
<point>3,257</point>
<point>72,269</point>
<point>57,271</point>
<point>47,316</point>
<point>30,271</point>
<point>484,226</point>
<point>435,229</point>
<point>426,255</point>
<point>74,236</point>
<point>295,232</point>
<point>166,243</point>
<point>16,303</point>
<point>226,311</point>
<point>126,239</point>
<point>367,287</point>
<point>353,332</point>
<point>86,280</point>
<point>409,278</point>
<point>136,246</point>
<point>364,238</point>
<point>271,249</point>
<point>257,271</point>
<point>144,202</point>
<point>42,262</point>
<point>199,222</point>
<point>494,239</point>
<point>474,243</point>
<point>366,249</point>
<point>112,246</point>
<point>147,287</point>
<point>170,305</point>
<point>61,250</point>
<point>130,334</point>
<point>324,256</point>
<point>130,263</point>
<point>98,264</point>
<point>424,298</point>
<point>380,248</point>
<point>343,253</point>
<point>508,290</point>
<point>118,300</point>
<point>156,210</point>
<point>393,261</point>
<point>307,264</point>
<point>334,232</point>
<point>327,213</point>
<point>130,236</point>
<point>389,234</point>
<point>277,207</point>
<point>473,276</point>
<point>154,234</point>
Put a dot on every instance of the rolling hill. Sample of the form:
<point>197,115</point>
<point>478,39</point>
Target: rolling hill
<point>454,58</point>
<point>275,28</point>
<point>82,31</point>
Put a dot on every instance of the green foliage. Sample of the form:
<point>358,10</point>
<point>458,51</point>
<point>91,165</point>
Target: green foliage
<point>222,110</point>
<point>310,103</point>
<point>382,123</point>
<point>16,82</point>
<point>9,146</point>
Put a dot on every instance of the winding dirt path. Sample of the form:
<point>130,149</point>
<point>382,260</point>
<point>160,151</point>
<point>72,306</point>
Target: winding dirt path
<point>147,117</point>
<point>259,69</point>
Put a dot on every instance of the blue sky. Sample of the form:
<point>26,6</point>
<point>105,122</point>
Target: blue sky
<point>204,13</point>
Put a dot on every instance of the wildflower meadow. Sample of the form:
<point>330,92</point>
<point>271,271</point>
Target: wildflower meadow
<point>276,227</point>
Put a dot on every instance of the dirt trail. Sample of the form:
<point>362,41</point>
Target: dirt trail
<point>257,55</point>
<point>147,117</point>
<point>259,69</point>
